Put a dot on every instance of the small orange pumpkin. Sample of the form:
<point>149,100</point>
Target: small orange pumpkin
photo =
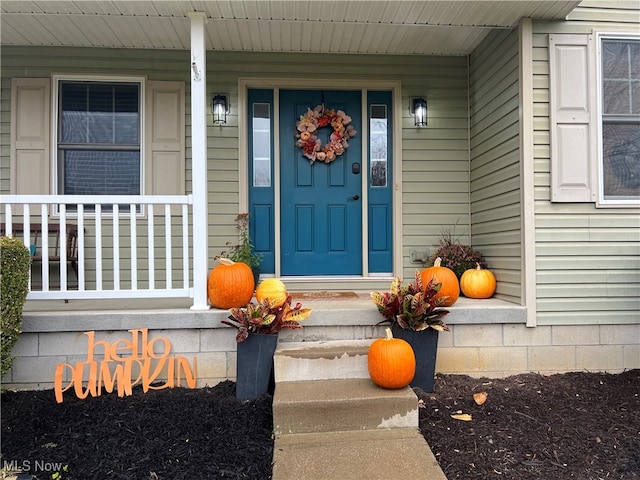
<point>478,283</point>
<point>444,275</point>
<point>391,362</point>
<point>274,290</point>
<point>230,284</point>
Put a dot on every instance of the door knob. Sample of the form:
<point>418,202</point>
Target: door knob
<point>355,197</point>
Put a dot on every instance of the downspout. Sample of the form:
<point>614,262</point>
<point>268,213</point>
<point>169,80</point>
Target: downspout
<point>199,221</point>
<point>527,183</point>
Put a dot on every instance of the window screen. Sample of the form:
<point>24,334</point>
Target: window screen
<point>621,118</point>
<point>99,138</point>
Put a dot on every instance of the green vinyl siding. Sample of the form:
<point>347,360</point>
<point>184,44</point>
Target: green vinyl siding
<point>610,13</point>
<point>495,198</point>
<point>435,165</point>
<point>587,258</point>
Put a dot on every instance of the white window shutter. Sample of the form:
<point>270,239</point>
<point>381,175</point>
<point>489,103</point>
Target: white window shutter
<point>165,166</point>
<point>573,118</point>
<point>30,136</point>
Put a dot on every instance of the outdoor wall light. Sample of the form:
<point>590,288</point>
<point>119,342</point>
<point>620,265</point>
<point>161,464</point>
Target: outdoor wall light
<point>219,108</point>
<point>419,111</point>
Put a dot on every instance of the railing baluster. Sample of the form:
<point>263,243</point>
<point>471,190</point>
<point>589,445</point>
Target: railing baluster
<point>26,234</point>
<point>99,265</point>
<point>8,220</point>
<point>116,247</point>
<point>80,248</point>
<point>44,214</point>
<point>26,219</point>
<point>62,247</point>
<point>45,252</point>
<point>167,242</point>
<point>150,237</point>
<point>185,247</point>
<point>134,246</point>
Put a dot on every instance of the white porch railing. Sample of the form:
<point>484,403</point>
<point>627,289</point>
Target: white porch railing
<point>127,246</point>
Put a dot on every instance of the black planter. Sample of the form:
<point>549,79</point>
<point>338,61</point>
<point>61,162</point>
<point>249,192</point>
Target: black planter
<point>425,347</point>
<point>256,276</point>
<point>254,366</point>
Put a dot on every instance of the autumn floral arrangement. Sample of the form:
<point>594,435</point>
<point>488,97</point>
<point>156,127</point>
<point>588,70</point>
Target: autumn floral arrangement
<point>272,313</point>
<point>413,306</point>
<point>307,136</point>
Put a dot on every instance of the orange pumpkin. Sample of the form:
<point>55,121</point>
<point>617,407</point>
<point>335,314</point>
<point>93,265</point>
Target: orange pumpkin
<point>230,284</point>
<point>478,283</point>
<point>391,362</point>
<point>444,275</point>
<point>274,290</point>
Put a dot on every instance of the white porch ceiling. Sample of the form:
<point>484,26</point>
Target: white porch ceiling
<point>391,27</point>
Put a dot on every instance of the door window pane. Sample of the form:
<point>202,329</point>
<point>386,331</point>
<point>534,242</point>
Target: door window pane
<point>378,134</point>
<point>261,128</point>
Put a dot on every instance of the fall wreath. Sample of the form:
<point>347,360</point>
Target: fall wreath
<point>320,117</point>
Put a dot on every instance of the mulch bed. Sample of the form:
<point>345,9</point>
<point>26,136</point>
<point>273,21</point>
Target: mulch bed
<point>574,425</point>
<point>577,425</point>
<point>163,434</point>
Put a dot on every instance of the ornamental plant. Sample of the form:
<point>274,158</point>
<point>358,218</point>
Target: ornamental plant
<point>265,318</point>
<point>456,256</point>
<point>411,306</point>
<point>243,251</point>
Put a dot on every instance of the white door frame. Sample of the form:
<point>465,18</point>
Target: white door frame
<point>244,84</point>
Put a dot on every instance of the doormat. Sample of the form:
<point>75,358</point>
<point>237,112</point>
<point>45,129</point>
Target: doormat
<point>324,295</point>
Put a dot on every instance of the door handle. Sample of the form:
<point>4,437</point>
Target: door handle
<point>355,197</point>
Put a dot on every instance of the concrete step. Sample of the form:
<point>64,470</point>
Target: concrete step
<point>383,454</point>
<point>314,406</point>
<point>332,422</point>
<point>338,359</point>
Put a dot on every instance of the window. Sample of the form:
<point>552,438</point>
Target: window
<point>619,73</point>
<point>99,137</point>
<point>378,132</point>
<point>261,145</point>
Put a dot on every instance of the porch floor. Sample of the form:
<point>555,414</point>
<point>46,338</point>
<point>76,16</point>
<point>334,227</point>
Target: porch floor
<point>317,300</point>
<point>330,309</point>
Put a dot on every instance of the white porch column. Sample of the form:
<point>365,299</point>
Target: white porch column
<point>527,183</point>
<point>199,159</point>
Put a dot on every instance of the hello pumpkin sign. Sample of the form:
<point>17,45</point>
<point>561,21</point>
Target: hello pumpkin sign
<point>126,362</point>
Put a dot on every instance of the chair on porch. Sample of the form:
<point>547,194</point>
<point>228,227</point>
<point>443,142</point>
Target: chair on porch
<point>53,235</point>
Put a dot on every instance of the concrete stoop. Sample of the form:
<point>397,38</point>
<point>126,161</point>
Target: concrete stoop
<point>341,405</point>
<point>332,422</point>
<point>385,454</point>
<point>337,359</point>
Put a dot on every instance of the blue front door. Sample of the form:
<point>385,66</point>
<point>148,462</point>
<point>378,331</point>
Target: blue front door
<point>321,203</point>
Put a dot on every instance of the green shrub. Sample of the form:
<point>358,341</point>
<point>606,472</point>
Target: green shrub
<point>15,263</point>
